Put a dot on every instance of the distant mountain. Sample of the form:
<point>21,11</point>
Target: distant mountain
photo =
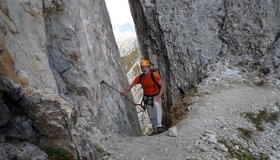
<point>124,32</point>
<point>130,59</point>
<point>127,27</point>
<point>131,56</point>
<point>128,45</point>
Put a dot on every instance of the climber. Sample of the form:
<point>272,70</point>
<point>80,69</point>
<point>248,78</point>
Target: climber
<point>153,90</point>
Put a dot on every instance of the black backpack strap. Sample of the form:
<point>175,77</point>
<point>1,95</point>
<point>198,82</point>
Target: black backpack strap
<point>154,80</point>
<point>141,77</point>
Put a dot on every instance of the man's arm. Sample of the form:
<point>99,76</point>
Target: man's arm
<point>128,88</point>
<point>162,87</point>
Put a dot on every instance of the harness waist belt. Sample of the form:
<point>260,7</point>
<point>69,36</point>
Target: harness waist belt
<point>151,95</point>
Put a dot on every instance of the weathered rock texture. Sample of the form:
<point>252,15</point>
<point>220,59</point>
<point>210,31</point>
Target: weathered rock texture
<point>56,53</point>
<point>183,36</point>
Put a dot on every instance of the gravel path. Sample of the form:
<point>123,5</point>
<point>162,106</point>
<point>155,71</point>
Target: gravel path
<point>216,110</point>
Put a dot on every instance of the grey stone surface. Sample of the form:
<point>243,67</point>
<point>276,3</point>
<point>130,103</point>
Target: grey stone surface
<point>4,114</point>
<point>21,151</point>
<point>57,53</point>
<point>216,112</point>
<point>184,36</point>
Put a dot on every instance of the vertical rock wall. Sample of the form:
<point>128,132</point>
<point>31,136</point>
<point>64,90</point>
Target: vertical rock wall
<point>56,53</point>
<point>183,36</point>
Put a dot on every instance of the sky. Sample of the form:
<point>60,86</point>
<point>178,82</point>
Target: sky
<point>121,18</point>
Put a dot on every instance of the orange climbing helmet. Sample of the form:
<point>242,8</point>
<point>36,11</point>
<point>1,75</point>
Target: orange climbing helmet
<point>145,63</point>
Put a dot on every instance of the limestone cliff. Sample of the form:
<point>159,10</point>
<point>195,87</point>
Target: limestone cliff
<point>183,36</point>
<point>55,54</point>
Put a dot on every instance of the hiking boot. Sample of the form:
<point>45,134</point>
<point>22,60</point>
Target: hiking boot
<point>160,130</point>
<point>153,133</point>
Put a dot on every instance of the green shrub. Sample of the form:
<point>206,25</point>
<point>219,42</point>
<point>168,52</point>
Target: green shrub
<point>240,152</point>
<point>245,133</point>
<point>57,153</point>
<point>261,116</point>
<point>277,36</point>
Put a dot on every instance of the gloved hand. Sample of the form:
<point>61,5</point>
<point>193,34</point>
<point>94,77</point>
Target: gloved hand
<point>143,105</point>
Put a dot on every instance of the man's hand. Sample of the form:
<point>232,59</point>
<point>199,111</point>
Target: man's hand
<point>158,98</point>
<point>128,88</point>
<point>124,93</point>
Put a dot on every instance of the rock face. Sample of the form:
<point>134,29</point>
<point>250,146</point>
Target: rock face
<point>183,36</point>
<point>55,54</point>
<point>21,151</point>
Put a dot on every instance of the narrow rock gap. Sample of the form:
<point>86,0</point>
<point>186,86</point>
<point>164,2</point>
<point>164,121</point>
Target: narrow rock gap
<point>148,44</point>
<point>131,55</point>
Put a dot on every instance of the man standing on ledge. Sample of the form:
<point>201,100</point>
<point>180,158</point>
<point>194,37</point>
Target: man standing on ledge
<point>153,89</point>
